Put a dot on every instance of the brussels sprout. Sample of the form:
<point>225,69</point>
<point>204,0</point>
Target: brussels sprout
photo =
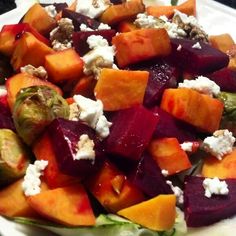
<point>35,108</point>
<point>228,120</point>
<point>14,157</point>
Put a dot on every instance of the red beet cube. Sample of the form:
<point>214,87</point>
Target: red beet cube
<point>131,132</point>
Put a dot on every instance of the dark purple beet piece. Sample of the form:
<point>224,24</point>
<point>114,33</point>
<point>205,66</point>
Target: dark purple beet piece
<point>169,126</point>
<point>79,19</point>
<point>131,132</point>
<point>65,135</point>
<point>225,78</point>
<point>200,210</point>
<point>161,76</point>
<point>148,177</point>
<point>204,60</point>
<point>80,39</point>
<point>115,2</point>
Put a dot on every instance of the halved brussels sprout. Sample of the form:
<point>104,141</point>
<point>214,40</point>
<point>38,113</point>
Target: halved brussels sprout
<point>35,108</point>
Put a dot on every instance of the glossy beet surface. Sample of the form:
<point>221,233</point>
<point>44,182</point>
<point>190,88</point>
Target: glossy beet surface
<point>204,60</point>
<point>131,132</point>
<point>80,39</point>
<point>161,76</point>
<point>200,210</point>
<point>169,126</point>
<point>79,19</point>
<point>64,135</point>
<point>148,177</point>
<point>225,78</point>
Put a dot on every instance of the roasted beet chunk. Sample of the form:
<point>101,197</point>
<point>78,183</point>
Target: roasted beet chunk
<point>200,210</point>
<point>131,132</point>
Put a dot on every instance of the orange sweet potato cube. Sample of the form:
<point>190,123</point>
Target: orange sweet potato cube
<point>157,213</point>
<point>112,189</point>
<point>169,155</point>
<point>64,65</point>
<point>29,50</point>
<point>66,205</point>
<point>199,110</point>
<point>223,169</point>
<point>120,89</point>
<point>38,18</point>
<point>126,26</point>
<point>188,7</point>
<point>223,42</point>
<point>124,11</point>
<point>141,45</point>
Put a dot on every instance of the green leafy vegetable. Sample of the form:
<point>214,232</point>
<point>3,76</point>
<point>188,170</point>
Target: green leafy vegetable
<point>174,2</point>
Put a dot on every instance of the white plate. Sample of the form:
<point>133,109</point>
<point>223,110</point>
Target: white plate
<point>215,19</point>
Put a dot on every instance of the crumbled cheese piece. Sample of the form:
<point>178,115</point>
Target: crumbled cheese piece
<point>179,47</point>
<point>187,146</point>
<point>85,149</point>
<point>61,36</point>
<point>186,19</point>
<point>215,186</point>
<point>203,85</point>
<point>92,8</point>
<point>39,72</point>
<point>74,112</point>
<point>177,191</point>
<point>165,172</point>
<point>197,46</point>
<point>91,112</point>
<point>147,21</point>
<point>103,26</point>
<point>100,56</point>
<point>3,92</point>
<point>220,144</point>
<point>51,10</point>
<point>84,27</point>
<point>31,183</point>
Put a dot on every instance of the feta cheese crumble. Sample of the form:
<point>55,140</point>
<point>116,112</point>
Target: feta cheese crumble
<point>31,183</point>
<point>92,8</point>
<point>165,172</point>
<point>202,85</point>
<point>61,36</point>
<point>100,56</point>
<point>220,144</point>
<point>84,27</point>
<point>91,112</point>
<point>177,191</point>
<point>179,47</point>
<point>3,92</point>
<point>85,149</point>
<point>215,186</point>
<point>39,72</point>
<point>102,26</point>
<point>187,146</point>
<point>197,46</point>
<point>147,21</point>
<point>51,10</point>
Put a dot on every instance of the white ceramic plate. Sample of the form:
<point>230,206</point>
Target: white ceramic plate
<point>215,19</point>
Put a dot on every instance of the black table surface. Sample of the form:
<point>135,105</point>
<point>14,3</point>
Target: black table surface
<point>7,5</point>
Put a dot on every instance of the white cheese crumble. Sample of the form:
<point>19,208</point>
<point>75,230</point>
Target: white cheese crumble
<point>179,47</point>
<point>177,191</point>
<point>91,112</point>
<point>51,10</point>
<point>197,46</point>
<point>100,56</point>
<point>220,144</point>
<point>39,72</point>
<point>85,149</point>
<point>186,19</point>
<point>3,92</point>
<point>102,26</point>
<point>146,21</point>
<point>215,186</point>
<point>187,146</point>
<point>92,8</point>
<point>202,85</point>
<point>165,172</point>
<point>31,183</point>
<point>84,27</point>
